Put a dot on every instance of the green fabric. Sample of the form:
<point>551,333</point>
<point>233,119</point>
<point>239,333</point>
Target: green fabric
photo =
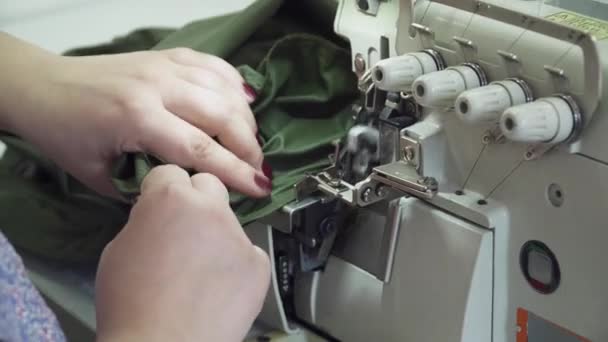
<point>305,89</point>
<point>138,40</point>
<point>48,213</point>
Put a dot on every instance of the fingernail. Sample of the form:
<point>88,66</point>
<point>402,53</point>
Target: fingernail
<point>250,92</point>
<point>267,170</point>
<point>262,181</point>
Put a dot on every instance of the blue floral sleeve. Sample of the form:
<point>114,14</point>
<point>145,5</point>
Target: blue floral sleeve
<point>24,316</point>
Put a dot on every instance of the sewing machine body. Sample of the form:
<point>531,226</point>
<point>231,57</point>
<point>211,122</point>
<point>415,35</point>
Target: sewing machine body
<point>468,231</point>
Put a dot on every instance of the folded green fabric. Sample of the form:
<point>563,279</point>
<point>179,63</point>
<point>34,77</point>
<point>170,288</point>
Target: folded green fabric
<point>45,212</point>
<point>305,89</point>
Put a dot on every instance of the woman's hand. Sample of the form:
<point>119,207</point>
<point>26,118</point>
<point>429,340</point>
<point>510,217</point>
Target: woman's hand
<point>83,112</point>
<point>182,269</point>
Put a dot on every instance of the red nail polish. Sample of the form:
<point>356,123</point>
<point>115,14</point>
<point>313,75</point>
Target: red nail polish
<point>267,170</point>
<point>262,181</point>
<point>251,93</point>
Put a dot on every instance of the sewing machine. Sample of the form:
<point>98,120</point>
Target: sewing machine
<point>468,202</point>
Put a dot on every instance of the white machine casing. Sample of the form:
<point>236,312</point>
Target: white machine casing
<point>509,248</point>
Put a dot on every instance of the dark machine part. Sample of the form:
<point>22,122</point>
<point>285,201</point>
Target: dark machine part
<point>398,111</point>
<point>285,249</point>
<point>307,248</point>
<point>314,228</point>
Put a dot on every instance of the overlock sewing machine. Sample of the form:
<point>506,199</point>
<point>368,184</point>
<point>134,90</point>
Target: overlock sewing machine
<point>469,200</point>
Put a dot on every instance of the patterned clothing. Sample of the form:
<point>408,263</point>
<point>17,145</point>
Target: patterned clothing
<point>24,316</point>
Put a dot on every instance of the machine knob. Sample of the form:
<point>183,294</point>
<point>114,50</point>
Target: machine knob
<point>486,104</point>
<point>398,73</point>
<point>440,88</point>
<point>546,120</point>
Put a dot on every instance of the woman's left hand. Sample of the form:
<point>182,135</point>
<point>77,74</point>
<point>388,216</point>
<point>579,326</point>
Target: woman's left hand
<point>83,112</point>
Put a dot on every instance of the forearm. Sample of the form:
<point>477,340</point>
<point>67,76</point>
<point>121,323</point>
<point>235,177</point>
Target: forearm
<point>21,64</point>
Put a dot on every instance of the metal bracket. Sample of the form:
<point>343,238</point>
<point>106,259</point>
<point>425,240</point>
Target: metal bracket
<point>558,77</point>
<point>327,182</point>
<point>362,194</point>
<point>403,177</point>
<point>468,48</point>
<point>511,62</point>
<point>509,56</point>
<point>493,136</point>
<point>426,34</point>
<point>411,152</point>
<point>536,151</point>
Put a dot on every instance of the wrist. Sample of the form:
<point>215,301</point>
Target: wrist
<point>22,70</point>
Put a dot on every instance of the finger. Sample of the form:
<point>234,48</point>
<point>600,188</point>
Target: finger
<point>176,141</point>
<point>216,116</point>
<point>210,185</point>
<point>220,96</point>
<point>208,80</point>
<point>222,68</point>
<point>162,176</point>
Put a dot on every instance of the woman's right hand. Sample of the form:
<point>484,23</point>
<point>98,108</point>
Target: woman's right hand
<point>182,269</point>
